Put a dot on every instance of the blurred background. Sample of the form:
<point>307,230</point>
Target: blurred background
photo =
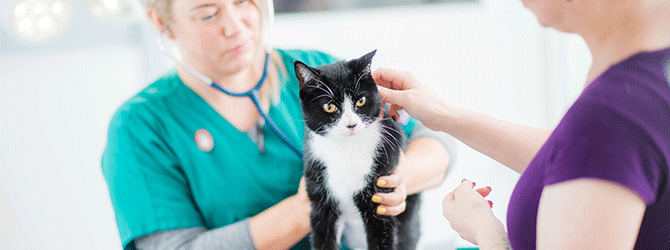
<point>66,65</point>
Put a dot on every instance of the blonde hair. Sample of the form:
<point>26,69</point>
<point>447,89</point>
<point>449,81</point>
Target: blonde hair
<point>276,68</point>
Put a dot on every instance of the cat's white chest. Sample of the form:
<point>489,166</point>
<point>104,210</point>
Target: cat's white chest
<point>348,160</point>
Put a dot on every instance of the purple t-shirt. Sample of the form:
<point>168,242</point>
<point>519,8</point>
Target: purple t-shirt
<point>618,130</point>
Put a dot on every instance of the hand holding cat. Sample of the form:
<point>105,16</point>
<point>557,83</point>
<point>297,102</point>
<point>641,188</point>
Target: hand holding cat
<point>302,204</point>
<point>469,214</point>
<point>393,203</point>
<point>404,91</point>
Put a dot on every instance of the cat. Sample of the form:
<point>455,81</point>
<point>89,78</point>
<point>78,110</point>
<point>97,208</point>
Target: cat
<point>347,147</point>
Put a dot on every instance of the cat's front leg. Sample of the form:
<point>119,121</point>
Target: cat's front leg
<point>381,230</point>
<point>323,219</point>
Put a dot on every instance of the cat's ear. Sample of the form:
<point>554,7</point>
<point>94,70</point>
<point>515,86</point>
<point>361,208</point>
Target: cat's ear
<point>304,73</point>
<point>365,62</point>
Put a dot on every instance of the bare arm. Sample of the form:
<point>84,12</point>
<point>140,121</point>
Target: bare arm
<point>588,214</point>
<point>279,227</point>
<point>511,144</point>
<point>284,224</point>
<point>427,161</point>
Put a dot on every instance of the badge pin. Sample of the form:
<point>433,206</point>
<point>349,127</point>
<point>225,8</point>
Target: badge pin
<point>204,140</point>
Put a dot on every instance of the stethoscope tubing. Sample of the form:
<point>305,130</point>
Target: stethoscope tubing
<point>254,95</point>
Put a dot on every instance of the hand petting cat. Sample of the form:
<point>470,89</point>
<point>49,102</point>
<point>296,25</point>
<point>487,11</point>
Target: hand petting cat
<point>393,203</point>
<point>405,92</point>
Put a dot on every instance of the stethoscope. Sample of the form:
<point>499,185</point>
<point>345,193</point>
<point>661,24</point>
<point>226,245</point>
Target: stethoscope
<point>251,94</point>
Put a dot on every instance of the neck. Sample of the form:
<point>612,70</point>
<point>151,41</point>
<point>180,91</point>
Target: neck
<point>625,28</point>
<point>239,81</point>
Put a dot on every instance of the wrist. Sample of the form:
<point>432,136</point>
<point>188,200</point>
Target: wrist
<point>447,116</point>
<point>300,210</point>
<point>491,232</point>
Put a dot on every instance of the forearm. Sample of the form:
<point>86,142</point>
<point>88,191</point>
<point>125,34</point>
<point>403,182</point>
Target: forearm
<point>234,236</point>
<point>511,144</point>
<point>279,227</point>
<point>282,225</point>
<point>426,160</point>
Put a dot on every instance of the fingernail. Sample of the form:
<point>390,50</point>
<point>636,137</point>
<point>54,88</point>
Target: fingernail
<point>381,182</point>
<point>376,198</point>
<point>490,203</point>
<point>474,184</point>
<point>490,188</point>
<point>381,210</point>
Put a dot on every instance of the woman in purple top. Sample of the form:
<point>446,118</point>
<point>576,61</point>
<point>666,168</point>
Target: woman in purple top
<point>600,179</point>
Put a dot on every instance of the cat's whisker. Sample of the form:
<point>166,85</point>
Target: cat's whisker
<point>358,80</point>
<point>384,148</point>
<point>324,95</point>
<point>326,85</point>
<point>330,94</point>
<point>391,129</point>
<point>391,144</point>
<point>390,135</point>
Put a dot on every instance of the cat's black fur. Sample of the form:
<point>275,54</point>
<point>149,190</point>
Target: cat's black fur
<point>331,83</point>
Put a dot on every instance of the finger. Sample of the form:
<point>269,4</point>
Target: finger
<point>384,77</point>
<point>448,204</point>
<point>466,182</point>
<point>391,211</point>
<point>485,191</point>
<point>465,189</point>
<point>395,97</point>
<point>395,198</point>
<point>390,181</point>
<point>392,78</point>
<point>393,112</point>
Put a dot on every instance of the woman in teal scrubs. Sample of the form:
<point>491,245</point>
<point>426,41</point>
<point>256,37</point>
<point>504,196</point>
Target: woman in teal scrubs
<point>190,167</point>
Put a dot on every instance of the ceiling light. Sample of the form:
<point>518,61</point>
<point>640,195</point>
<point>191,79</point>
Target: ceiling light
<point>115,10</point>
<point>38,21</point>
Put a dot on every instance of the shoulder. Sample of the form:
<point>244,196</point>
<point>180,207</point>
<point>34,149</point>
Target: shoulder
<point>644,76</point>
<point>310,57</point>
<point>149,103</point>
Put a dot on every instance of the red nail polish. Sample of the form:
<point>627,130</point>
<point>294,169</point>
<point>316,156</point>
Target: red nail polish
<point>490,203</point>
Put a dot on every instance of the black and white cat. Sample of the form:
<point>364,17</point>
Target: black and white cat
<point>348,146</point>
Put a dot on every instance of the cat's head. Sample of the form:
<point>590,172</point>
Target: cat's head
<point>339,98</point>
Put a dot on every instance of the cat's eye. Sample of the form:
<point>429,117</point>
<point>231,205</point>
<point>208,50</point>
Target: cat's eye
<point>329,107</point>
<point>360,102</point>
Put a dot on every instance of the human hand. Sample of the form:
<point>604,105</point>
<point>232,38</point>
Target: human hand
<point>303,207</point>
<point>404,91</point>
<point>469,214</point>
<point>393,203</point>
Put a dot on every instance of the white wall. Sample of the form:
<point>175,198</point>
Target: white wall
<point>489,56</point>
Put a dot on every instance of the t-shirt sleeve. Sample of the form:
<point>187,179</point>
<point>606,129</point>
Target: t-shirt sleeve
<point>602,143</point>
<point>148,190</point>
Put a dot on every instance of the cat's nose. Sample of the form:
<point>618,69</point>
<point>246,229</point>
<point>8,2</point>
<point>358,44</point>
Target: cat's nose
<point>351,126</point>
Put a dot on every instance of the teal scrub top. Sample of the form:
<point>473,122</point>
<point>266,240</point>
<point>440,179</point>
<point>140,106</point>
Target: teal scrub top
<point>159,179</point>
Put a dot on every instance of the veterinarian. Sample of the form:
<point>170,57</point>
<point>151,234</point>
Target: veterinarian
<point>600,179</point>
<point>189,166</point>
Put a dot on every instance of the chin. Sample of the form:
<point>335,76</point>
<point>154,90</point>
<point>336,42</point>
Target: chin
<point>236,63</point>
